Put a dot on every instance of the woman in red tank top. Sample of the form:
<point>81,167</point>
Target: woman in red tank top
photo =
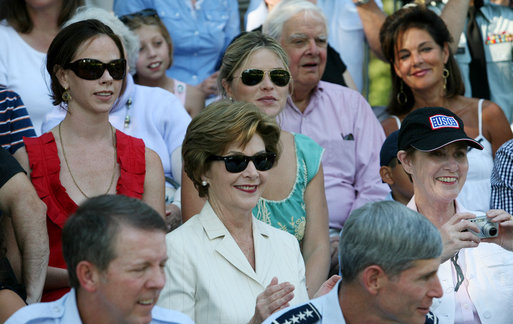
<point>84,155</point>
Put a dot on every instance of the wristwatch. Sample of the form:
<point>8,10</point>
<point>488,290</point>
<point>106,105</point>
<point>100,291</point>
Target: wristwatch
<point>360,2</point>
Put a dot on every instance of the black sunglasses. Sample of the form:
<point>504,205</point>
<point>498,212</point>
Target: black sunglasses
<point>239,163</point>
<point>149,12</point>
<point>251,77</point>
<point>91,69</point>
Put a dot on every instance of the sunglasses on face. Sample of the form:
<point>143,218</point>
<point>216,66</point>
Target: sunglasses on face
<point>239,163</point>
<point>149,12</point>
<point>251,77</point>
<point>91,69</point>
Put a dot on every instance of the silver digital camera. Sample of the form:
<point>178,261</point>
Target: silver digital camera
<point>488,229</point>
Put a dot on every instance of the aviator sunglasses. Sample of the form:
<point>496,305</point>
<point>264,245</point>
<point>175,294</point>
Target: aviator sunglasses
<point>239,163</point>
<point>251,77</point>
<point>91,69</point>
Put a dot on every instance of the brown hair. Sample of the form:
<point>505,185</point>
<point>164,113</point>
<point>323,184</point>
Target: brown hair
<point>390,34</point>
<point>216,127</point>
<point>137,21</point>
<point>16,13</point>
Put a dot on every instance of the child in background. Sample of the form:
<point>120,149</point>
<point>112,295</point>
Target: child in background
<point>156,56</point>
<point>392,173</point>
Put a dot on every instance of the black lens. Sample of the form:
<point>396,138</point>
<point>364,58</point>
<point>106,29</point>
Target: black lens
<point>91,69</point>
<point>264,162</point>
<point>280,77</point>
<point>236,163</point>
<point>117,69</point>
<point>492,231</point>
<point>252,77</point>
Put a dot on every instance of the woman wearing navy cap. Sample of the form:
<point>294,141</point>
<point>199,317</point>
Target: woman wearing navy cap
<point>476,276</point>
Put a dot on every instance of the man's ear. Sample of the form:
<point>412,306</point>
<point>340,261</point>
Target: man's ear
<point>88,276</point>
<point>373,279</point>
<point>386,175</point>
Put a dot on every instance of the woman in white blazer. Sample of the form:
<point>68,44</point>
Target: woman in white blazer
<point>225,266</point>
<point>476,277</point>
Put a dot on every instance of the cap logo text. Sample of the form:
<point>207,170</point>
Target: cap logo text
<point>442,121</point>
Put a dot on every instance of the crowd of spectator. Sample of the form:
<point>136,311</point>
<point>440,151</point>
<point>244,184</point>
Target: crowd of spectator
<point>170,162</point>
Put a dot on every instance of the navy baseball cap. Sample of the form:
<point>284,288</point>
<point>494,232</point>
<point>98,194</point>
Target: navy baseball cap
<point>389,149</point>
<point>430,128</point>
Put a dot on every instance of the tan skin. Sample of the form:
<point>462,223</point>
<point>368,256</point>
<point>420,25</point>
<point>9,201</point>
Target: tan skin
<point>417,51</point>
<point>154,48</point>
<point>88,143</point>
<point>282,177</point>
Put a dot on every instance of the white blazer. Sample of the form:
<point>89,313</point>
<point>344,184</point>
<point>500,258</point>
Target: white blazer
<point>209,278</point>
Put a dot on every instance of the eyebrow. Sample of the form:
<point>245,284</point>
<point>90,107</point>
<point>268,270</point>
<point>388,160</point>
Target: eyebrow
<point>303,36</point>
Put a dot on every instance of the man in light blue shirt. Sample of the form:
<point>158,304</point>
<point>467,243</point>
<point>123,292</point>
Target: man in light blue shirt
<point>115,251</point>
<point>389,257</point>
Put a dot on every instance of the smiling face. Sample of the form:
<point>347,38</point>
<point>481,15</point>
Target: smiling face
<point>419,60</point>
<point>154,58</point>
<point>305,39</point>
<point>439,175</point>
<point>406,298</point>
<point>266,95</point>
<point>130,286</point>
<point>94,96</point>
<point>236,193</point>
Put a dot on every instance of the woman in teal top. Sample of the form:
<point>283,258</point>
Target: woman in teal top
<point>289,214</point>
<point>255,69</point>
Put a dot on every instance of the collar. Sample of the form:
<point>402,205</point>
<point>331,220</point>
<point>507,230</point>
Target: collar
<point>126,95</point>
<point>317,91</point>
<point>214,228</point>
<point>412,205</point>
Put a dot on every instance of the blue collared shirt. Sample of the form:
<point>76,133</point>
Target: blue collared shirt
<point>200,35</point>
<point>65,310</point>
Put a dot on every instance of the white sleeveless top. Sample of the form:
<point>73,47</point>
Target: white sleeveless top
<point>476,193</point>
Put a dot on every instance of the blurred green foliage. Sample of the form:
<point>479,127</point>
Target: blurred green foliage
<point>379,73</point>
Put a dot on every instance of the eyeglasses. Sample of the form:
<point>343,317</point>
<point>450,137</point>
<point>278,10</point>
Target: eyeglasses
<point>149,12</point>
<point>91,69</point>
<point>251,77</point>
<point>239,163</point>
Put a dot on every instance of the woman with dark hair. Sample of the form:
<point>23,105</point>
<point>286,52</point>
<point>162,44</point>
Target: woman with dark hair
<point>415,41</point>
<point>85,156</point>
<point>26,29</point>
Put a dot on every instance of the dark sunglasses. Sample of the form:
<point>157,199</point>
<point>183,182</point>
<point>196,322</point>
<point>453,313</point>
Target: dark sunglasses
<point>149,12</point>
<point>251,77</point>
<point>239,163</point>
<point>91,69</point>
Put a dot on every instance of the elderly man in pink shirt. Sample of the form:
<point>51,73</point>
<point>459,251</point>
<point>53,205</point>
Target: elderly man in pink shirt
<point>337,118</point>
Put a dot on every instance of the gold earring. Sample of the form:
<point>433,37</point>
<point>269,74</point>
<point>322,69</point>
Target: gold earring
<point>445,75</point>
<point>401,95</point>
<point>66,96</point>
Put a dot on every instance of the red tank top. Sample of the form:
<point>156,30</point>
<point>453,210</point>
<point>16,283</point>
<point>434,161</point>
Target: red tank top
<point>45,165</point>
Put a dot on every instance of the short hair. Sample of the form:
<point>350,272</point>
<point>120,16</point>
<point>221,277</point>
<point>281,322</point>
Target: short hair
<point>284,11</point>
<point>241,49</point>
<point>387,234</point>
<point>219,125</point>
<point>390,34</point>
<point>65,45</point>
<point>137,21</point>
<point>90,233</point>
<point>128,38</point>
<point>16,13</point>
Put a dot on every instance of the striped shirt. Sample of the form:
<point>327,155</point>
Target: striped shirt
<point>14,121</point>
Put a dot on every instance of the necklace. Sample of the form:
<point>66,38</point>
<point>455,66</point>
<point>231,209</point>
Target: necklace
<point>71,174</point>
